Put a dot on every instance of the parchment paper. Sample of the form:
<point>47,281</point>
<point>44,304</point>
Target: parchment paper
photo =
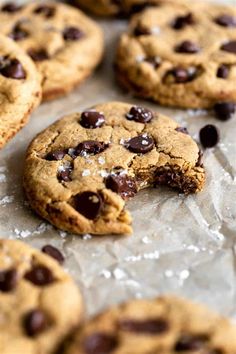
<point>182,245</point>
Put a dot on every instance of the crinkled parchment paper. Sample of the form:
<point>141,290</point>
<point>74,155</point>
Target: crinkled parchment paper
<point>182,245</point>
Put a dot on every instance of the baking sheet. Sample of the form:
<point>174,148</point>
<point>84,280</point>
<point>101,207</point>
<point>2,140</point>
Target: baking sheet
<point>182,245</point>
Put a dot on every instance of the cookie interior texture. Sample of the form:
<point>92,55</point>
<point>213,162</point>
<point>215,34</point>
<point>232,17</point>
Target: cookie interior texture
<point>39,302</point>
<point>180,54</point>
<point>165,325</point>
<point>20,89</point>
<point>59,38</point>
<point>113,7</point>
<point>80,170</point>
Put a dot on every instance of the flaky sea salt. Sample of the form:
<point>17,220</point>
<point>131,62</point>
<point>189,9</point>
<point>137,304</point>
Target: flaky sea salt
<point>103,173</point>
<point>184,274</point>
<point>7,200</point>
<point>86,237</point>
<point>22,233</point>
<point>101,160</point>
<point>86,173</point>
<point>106,273</point>
<point>156,30</point>
<point>119,274</point>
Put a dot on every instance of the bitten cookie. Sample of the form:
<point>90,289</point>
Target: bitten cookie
<point>64,43</point>
<point>39,302</point>
<point>20,86</point>
<point>80,170</point>
<point>180,54</point>
<point>113,7</point>
<point>166,325</point>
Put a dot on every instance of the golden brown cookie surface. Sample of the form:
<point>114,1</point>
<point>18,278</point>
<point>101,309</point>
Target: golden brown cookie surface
<point>181,54</point>
<point>80,170</point>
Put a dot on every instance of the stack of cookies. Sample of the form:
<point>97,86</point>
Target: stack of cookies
<point>80,171</point>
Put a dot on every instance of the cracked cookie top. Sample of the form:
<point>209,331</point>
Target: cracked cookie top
<point>80,170</point>
<point>165,325</point>
<point>114,7</point>
<point>58,38</point>
<point>20,89</point>
<point>39,302</point>
<point>180,54</point>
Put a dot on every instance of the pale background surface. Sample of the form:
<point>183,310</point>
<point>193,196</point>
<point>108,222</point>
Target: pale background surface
<point>181,245</point>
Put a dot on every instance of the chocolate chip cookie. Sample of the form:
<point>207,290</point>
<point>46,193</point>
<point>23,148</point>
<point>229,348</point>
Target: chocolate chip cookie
<point>113,7</point>
<point>80,170</point>
<point>180,54</point>
<point>20,86</point>
<point>64,43</point>
<point>39,302</point>
<point>165,325</point>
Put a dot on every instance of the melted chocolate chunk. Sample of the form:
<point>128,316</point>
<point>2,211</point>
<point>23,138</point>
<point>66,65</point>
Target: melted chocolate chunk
<point>190,343</point>
<point>40,275</point>
<point>229,47</point>
<point>181,22</point>
<point>12,68</point>
<point>209,136</point>
<point>140,114</point>
<point>54,253</point>
<point>8,280</point>
<point>45,10</point>
<point>226,20</point>
<point>72,34</point>
<point>89,204</point>
<point>18,33</point>
<point>123,185</point>
<point>148,327</point>
<point>223,71</point>
<point>180,75</point>
<point>92,119</point>
<point>141,144</point>
<point>140,30</point>
<point>38,54</point>
<point>90,147</point>
<point>35,322</point>
<point>56,155</point>
<point>64,173</point>
<point>183,130</point>
<point>224,110</point>
<point>100,343</point>
<point>11,7</point>
<point>187,47</point>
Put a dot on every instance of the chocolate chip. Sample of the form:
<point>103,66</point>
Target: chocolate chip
<point>123,185</point>
<point>45,10</point>
<point>180,75</point>
<point>140,144</point>
<point>151,327</point>
<point>209,136</point>
<point>72,34</point>
<point>92,119</point>
<point>229,47</point>
<point>183,130</point>
<point>224,110</point>
<point>190,343</point>
<point>199,162</point>
<point>226,21</point>
<point>140,114</point>
<point>90,147</point>
<point>54,253</point>
<point>181,22</point>
<point>38,55</point>
<point>18,33</point>
<point>89,204</point>
<point>40,275</point>
<point>140,30</point>
<point>100,343</point>
<point>187,47</point>
<point>154,61</point>
<point>8,280</point>
<point>35,322</point>
<point>223,71</point>
<point>64,173</point>
<point>56,155</point>
<point>11,7</point>
<point>13,69</point>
